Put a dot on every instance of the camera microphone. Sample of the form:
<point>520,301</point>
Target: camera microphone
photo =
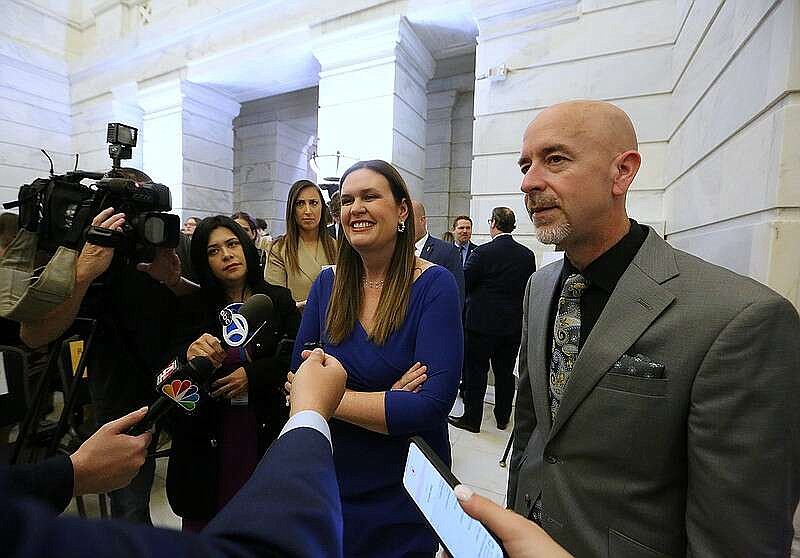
<point>186,385</point>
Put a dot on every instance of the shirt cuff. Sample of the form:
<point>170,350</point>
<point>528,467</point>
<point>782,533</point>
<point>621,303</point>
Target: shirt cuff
<point>308,419</point>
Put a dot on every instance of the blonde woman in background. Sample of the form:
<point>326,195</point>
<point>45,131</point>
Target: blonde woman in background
<point>296,258</point>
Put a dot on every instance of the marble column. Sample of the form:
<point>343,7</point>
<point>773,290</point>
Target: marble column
<point>188,144</point>
<point>272,137</point>
<point>448,153</point>
<point>90,124</point>
<point>372,97</point>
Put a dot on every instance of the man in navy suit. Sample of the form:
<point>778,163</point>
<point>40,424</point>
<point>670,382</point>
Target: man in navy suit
<point>289,507</point>
<point>462,231</point>
<point>434,250</point>
<point>495,276</point>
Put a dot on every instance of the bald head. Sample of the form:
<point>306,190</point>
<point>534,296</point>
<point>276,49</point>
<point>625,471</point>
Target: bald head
<point>578,160</point>
<point>603,125</point>
<point>420,221</point>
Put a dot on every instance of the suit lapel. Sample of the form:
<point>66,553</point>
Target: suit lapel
<point>427,249</point>
<point>638,299</point>
<point>542,291</point>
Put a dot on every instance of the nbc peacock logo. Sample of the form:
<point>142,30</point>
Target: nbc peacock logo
<point>183,392</point>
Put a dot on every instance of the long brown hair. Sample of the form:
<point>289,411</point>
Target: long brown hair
<point>291,240</point>
<point>347,296</point>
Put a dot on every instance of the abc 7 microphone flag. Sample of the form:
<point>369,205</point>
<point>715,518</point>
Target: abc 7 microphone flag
<point>234,326</point>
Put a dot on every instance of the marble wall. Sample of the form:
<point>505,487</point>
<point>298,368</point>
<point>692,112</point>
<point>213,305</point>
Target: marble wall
<point>35,110</point>
<point>717,125</point>
<point>732,168</point>
<point>272,141</point>
<point>562,51</point>
<point>187,132</point>
<point>372,96</point>
<point>448,149</point>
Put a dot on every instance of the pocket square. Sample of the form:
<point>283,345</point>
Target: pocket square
<point>639,366</point>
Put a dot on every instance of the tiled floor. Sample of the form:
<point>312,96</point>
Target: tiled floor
<point>476,457</point>
<point>475,463</point>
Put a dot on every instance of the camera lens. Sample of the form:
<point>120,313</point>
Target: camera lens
<point>154,230</point>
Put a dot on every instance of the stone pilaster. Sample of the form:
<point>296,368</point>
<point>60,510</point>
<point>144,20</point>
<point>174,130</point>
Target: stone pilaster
<point>372,95</point>
<point>188,144</point>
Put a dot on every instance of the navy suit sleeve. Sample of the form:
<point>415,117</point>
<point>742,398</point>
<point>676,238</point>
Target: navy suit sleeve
<point>50,481</point>
<point>289,507</point>
<point>440,346</point>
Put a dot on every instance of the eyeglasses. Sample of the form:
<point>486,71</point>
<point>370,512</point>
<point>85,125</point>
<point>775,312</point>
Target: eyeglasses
<point>490,221</point>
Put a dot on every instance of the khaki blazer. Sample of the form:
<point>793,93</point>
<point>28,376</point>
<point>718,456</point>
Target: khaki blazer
<point>703,461</point>
<point>311,261</point>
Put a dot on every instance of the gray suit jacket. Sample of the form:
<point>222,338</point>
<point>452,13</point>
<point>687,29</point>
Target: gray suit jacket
<point>702,462</point>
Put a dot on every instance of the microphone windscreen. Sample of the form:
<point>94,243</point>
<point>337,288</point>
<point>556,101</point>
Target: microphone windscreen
<point>257,310</point>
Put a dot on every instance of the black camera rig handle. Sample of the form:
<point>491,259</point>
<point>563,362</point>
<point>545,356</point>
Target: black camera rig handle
<point>109,238</point>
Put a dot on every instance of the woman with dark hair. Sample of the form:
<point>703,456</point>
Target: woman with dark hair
<point>215,451</point>
<point>296,258</point>
<point>393,322</point>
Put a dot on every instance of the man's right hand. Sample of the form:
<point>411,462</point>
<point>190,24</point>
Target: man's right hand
<point>93,259</point>
<point>110,458</point>
<point>318,384</point>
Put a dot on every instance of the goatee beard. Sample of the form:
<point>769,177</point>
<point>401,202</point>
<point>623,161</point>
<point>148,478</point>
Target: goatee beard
<point>553,234</point>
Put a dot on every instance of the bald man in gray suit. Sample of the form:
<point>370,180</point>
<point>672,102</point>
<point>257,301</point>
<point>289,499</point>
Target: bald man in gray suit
<point>657,410</point>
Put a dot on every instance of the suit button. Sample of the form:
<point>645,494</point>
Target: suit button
<point>552,459</point>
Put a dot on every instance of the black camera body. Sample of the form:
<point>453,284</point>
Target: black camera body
<point>60,208</point>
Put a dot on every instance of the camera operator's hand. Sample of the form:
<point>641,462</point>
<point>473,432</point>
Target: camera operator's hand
<point>165,267</point>
<point>207,346</point>
<point>110,458</point>
<point>231,385</point>
<point>318,384</point>
<point>91,263</point>
<point>93,259</point>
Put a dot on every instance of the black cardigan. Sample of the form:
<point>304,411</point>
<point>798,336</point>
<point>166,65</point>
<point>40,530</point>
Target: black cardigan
<point>192,474</point>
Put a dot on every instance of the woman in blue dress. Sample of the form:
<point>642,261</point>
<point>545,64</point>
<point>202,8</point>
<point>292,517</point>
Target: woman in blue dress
<point>381,312</point>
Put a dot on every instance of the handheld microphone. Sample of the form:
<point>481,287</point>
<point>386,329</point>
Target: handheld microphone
<point>240,323</point>
<point>186,385</point>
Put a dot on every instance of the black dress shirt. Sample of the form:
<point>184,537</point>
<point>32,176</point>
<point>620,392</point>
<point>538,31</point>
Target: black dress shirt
<point>603,275</point>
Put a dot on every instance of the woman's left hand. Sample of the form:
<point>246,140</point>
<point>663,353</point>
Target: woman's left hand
<point>413,378</point>
<point>231,385</point>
